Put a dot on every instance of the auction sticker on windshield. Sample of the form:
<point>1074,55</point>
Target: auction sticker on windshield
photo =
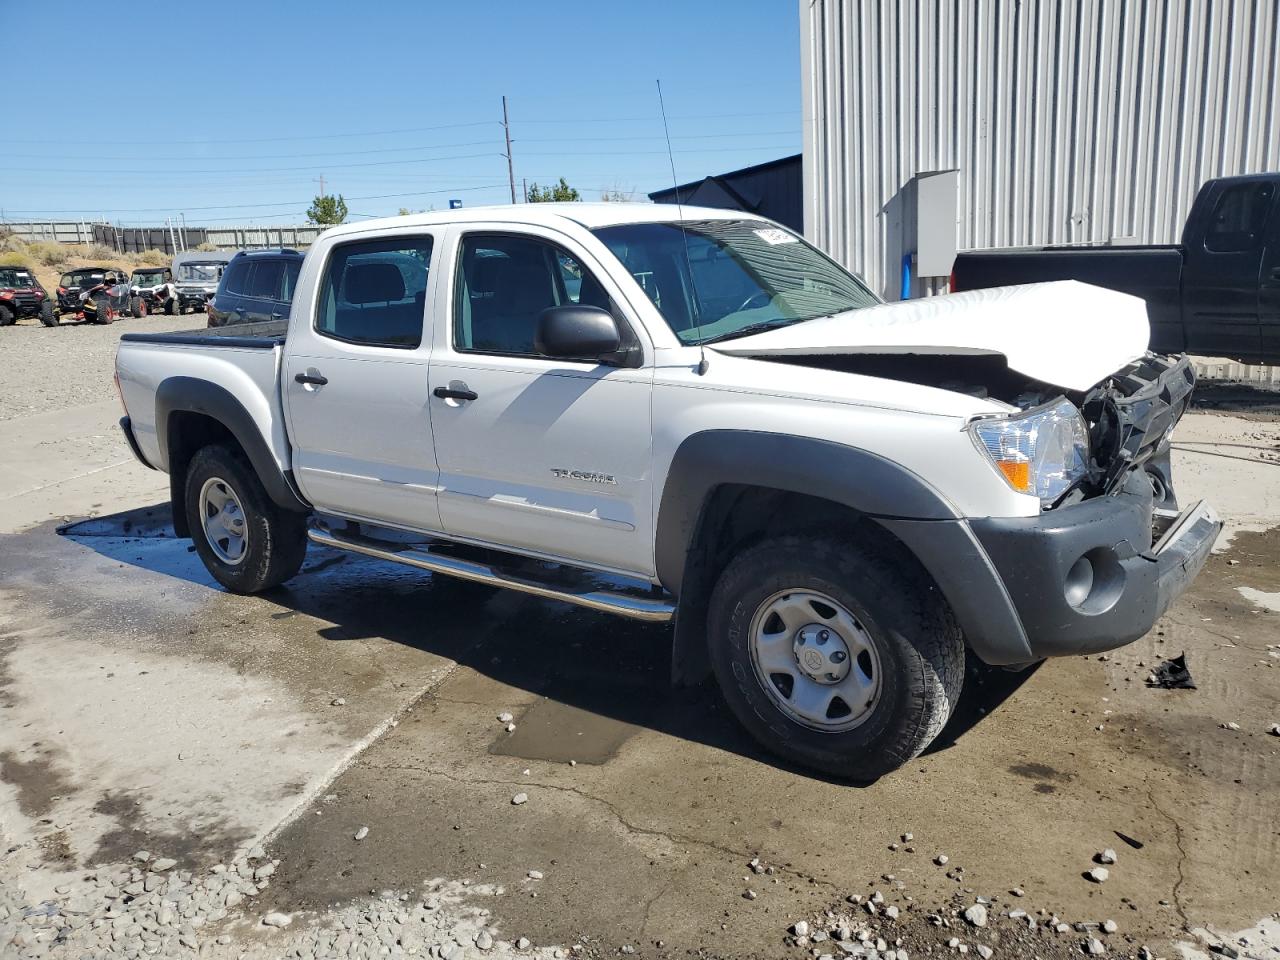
<point>773,236</point>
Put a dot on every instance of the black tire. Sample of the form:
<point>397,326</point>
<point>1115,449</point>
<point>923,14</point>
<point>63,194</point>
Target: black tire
<point>275,539</point>
<point>919,646</point>
<point>48,316</point>
<point>171,306</point>
<point>136,308</point>
<point>6,317</point>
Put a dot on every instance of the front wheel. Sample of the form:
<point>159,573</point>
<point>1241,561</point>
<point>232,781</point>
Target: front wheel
<point>838,656</point>
<point>137,307</point>
<point>6,317</point>
<point>246,542</point>
<point>48,316</point>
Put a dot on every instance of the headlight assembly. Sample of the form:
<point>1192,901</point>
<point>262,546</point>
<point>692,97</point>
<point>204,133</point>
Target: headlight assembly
<point>1042,451</point>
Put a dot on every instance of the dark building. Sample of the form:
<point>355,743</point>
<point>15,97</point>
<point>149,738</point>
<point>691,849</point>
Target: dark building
<point>770,189</point>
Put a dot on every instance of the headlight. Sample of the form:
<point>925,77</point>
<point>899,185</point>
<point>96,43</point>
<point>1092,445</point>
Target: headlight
<point>1040,452</point>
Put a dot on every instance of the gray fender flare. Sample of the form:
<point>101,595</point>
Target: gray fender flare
<point>192,395</point>
<point>896,498</point>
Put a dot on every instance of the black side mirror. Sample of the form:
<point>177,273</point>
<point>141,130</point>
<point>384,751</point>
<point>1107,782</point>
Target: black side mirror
<point>577,332</point>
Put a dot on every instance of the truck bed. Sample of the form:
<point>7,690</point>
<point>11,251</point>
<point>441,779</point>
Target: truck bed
<point>1153,273</point>
<point>262,336</point>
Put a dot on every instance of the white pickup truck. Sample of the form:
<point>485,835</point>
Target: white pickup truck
<point>696,417</point>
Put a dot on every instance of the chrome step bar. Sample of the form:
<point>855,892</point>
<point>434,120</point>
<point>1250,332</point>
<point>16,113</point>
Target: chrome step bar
<point>427,557</point>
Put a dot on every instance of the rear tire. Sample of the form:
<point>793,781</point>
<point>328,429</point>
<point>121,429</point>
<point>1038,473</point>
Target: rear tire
<point>900,652</point>
<point>6,317</point>
<point>48,316</point>
<point>226,502</point>
<point>137,307</point>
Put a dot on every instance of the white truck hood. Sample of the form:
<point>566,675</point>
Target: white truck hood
<point>1065,333</point>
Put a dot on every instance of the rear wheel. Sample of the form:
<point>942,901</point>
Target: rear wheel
<point>137,307</point>
<point>6,317</point>
<point>246,542</point>
<point>839,656</point>
<point>48,316</point>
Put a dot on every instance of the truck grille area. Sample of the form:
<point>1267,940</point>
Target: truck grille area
<point>1132,413</point>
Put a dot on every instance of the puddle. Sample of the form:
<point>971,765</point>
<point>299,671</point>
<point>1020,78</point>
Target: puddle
<point>558,733</point>
<point>1261,598</point>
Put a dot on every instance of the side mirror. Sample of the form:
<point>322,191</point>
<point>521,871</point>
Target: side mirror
<point>575,332</point>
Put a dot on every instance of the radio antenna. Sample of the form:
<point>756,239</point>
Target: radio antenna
<point>688,261</point>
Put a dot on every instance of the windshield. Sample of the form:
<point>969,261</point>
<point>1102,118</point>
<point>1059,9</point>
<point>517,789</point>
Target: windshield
<point>82,278</point>
<point>14,279</point>
<point>737,276</point>
<point>201,272</point>
<point>148,278</point>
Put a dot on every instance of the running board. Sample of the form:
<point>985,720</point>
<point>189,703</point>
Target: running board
<point>437,560</point>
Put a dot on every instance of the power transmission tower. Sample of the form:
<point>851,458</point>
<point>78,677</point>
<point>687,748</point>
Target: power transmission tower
<point>506,129</point>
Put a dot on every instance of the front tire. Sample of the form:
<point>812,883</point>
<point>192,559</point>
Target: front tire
<point>246,541</point>
<point>840,656</point>
<point>137,307</point>
<point>48,316</point>
<point>6,317</point>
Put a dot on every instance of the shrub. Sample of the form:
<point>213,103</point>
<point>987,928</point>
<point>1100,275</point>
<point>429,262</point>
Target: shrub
<point>206,247</point>
<point>153,258</point>
<point>12,258</point>
<point>49,254</point>
<point>100,251</point>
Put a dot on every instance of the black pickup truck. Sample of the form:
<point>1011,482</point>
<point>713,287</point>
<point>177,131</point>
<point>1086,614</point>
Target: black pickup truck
<point>1215,294</point>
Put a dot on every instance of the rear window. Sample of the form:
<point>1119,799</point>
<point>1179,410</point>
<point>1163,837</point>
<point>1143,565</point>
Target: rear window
<point>16,279</point>
<point>1239,217</point>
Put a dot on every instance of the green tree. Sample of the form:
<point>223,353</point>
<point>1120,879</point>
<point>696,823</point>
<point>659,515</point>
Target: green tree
<point>556,192</point>
<point>328,210</point>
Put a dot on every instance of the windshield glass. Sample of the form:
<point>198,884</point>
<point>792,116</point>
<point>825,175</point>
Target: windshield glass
<point>148,278</point>
<point>12,278</point>
<point>201,272</point>
<point>83,278</point>
<point>736,274</point>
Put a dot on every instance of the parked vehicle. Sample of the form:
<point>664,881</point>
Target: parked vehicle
<point>21,295</point>
<point>155,286</point>
<point>110,300</point>
<point>256,287</point>
<point>707,420</point>
<point>1216,294</point>
<point>75,282</point>
<point>196,275</point>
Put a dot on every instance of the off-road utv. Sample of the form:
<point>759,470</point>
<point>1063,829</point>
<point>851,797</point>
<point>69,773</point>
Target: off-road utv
<point>111,299</point>
<point>75,282</point>
<point>155,287</point>
<point>21,295</point>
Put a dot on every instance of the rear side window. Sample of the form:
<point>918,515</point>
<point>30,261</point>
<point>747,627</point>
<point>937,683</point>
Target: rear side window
<point>1239,217</point>
<point>291,270</point>
<point>375,292</point>
<point>236,278</point>
<point>265,280</point>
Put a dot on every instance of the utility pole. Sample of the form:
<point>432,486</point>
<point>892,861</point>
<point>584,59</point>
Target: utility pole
<point>524,182</point>
<point>322,193</point>
<point>506,129</point>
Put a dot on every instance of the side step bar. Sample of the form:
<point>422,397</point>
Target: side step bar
<point>429,557</point>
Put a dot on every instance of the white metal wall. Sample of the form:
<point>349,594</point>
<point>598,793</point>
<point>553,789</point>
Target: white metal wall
<point>1070,121</point>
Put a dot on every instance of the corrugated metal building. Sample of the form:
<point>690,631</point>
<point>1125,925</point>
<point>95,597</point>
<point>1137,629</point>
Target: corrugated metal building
<point>1080,121</point>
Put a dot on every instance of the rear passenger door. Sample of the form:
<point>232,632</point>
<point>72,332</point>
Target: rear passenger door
<point>1220,279</point>
<point>261,301</point>
<point>355,383</point>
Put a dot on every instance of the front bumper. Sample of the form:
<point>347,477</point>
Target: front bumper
<point>1080,579</point>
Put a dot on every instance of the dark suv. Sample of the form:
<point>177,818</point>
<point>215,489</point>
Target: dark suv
<point>256,287</point>
<point>21,295</point>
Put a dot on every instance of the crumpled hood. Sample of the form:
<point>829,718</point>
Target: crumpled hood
<point>1065,333</point>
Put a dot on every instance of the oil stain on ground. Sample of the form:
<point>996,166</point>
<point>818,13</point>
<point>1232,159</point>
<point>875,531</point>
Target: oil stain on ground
<point>558,733</point>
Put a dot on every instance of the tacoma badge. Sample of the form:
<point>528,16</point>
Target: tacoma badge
<point>584,475</point>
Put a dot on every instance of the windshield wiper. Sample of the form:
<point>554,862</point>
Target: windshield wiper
<point>760,327</point>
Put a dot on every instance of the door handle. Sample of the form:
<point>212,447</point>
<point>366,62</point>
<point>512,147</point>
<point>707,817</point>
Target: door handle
<point>317,380</point>
<point>277,316</point>
<point>237,310</point>
<point>446,393</point>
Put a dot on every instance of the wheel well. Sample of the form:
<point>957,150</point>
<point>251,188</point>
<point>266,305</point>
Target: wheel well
<point>735,517</point>
<point>188,432</point>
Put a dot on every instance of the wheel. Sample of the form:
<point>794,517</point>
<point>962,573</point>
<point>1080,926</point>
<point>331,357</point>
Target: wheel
<point>838,656</point>
<point>6,317</point>
<point>171,306</point>
<point>48,316</point>
<point>137,307</point>
<point>104,313</point>
<point>246,542</point>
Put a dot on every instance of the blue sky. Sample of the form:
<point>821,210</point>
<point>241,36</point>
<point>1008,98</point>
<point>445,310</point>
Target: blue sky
<point>231,111</point>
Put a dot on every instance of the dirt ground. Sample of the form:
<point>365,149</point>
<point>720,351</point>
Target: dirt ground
<point>141,708</point>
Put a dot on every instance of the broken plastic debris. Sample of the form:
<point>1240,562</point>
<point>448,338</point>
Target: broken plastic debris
<point>1172,675</point>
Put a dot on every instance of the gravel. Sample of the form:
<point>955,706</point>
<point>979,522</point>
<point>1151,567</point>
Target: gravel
<point>36,361</point>
<point>1099,874</point>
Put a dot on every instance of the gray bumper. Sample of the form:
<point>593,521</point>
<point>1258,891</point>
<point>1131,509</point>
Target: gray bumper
<point>1079,579</point>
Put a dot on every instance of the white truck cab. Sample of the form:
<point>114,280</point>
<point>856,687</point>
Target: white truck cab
<point>696,415</point>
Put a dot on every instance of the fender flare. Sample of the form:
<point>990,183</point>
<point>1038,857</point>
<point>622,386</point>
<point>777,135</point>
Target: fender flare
<point>192,395</point>
<point>900,501</point>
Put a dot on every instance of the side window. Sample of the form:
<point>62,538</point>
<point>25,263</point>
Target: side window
<point>264,282</point>
<point>237,277</point>
<point>291,270</point>
<point>1238,218</point>
<point>375,292</point>
<point>504,282</point>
